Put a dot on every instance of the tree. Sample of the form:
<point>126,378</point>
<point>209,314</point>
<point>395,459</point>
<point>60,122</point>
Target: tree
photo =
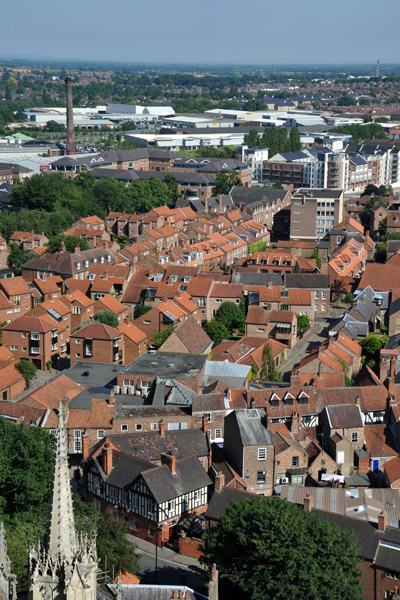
<point>349,298</point>
<point>230,315</point>
<point>252,138</point>
<point>216,331</point>
<point>294,140</point>
<point>268,370</point>
<point>27,370</point>
<point>371,348</point>
<point>303,323</point>
<point>277,185</point>
<point>141,309</point>
<point>225,180</point>
<point>172,185</point>
<point>17,258</point>
<point>107,317</point>
<point>71,242</point>
<point>297,267</point>
<point>269,537</point>
<point>113,549</point>
<point>371,190</point>
<point>160,337</point>
<point>113,544</point>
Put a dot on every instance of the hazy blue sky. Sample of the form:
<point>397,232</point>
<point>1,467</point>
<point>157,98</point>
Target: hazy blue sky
<point>229,31</point>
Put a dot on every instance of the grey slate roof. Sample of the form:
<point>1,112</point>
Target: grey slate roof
<point>247,278</point>
<point>344,415</point>
<point>165,485</point>
<point>307,281</point>
<point>253,194</point>
<point>168,364</point>
<point>252,431</point>
<point>221,500</point>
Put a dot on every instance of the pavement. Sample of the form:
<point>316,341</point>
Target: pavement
<point>312,339</point>
<point>172,568</point>
<point>41,378</point>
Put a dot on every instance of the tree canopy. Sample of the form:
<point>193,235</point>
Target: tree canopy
<point>107,317</point>
<point>225,180</point>
<point>71,242</point>
<point>216,331</point>
<point>268,548</point>
<point>27,370</point>
<point>231,315</point>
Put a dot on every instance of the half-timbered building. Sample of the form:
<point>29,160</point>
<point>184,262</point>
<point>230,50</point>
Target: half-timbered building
<point>152,498</point>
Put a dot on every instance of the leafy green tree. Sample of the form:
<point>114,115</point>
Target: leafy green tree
<point>113,544</point>
<point>225,180</point>
<point>217,331</point>
<point>269,371</point>
<point>71,242</point>
<point>252,138</point>
<point>172,185</point>
<point>141,309</point>
<point>317,258</point>
<point>371,348</point>
<point>297,268</point>
<point>160,337</point>
<point>294,140</point>
<point>349,298</point>
<point>230,315</point>
<point>303,323</point>
<point>17,258</point>
<point>27,370</point>
<point>107,317</point>
<point>278,550</point>
<point>277,185</point>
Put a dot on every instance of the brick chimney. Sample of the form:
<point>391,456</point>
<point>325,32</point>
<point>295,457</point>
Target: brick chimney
<point>204,423</point>
<point>62,247</point>
<point>358,401</point>
<point>180,594</point>
<point>270,284</point>
<point>77,249</point>
<point>308,503</point>
<point>85,446</point>
<point>111,397</point>
<point>219,481</point>
<point>170,461</point>
<point>162,428</point>
<point>107,458</point>
<point>294,426</point>
<point>382,521</point>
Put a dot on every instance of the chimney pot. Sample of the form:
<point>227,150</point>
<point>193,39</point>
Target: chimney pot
<point>170,461</point>
<point>382,521</point>
<point>107,458</point>
<point>162,428</point>
<point>204,424</point>
<point>219,481</point>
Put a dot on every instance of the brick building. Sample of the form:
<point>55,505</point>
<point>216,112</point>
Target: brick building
<point>97,342</point>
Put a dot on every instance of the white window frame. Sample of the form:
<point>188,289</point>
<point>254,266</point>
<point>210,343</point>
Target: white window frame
<point>261,454</point>
<point>100,434</point>
<point>124,427</point>
<point>354,437</point>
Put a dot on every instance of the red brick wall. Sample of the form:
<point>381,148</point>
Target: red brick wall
<point>190,547</point>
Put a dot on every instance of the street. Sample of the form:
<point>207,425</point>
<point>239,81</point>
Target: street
<point>172,568</point>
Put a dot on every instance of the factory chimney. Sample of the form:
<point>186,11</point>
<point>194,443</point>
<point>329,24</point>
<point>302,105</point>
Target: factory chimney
<point>70,117</point>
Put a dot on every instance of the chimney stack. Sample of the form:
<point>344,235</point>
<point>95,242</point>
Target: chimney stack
<point>85,446</point>
<point>382,521</point>
<point>170,461</point>
<point>294,427</point>
<point>162,428</point>
<point>70,117</point>
<point>308,503</point>
<point>219,482</point>
<point>111,398</point>
<point>204,423</point>
<point>107,458</point>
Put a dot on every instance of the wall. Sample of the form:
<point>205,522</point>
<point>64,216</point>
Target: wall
<point>190,546</point>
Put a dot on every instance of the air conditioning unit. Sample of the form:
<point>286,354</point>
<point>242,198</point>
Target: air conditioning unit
<point>124,389</point>
<point>131,389</point>
<point>117,389</point>
<point>285,480</point>
<point>138,393</point>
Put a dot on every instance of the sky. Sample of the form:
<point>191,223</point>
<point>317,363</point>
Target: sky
<point>212,31</point>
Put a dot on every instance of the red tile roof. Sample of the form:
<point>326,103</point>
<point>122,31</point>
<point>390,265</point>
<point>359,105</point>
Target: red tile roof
<point>97,331</point>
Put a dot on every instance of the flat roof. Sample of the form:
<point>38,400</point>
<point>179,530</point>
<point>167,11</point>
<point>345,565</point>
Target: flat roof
<point>173,365</point>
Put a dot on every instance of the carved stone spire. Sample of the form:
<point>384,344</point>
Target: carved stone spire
<point>66,569</point>
<point>8,581</point>
<point>62,537</point>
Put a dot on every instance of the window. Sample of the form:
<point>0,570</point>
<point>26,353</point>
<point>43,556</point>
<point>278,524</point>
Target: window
<point>261,477</point>
<point>208,416</point>
<point>152,529</point>
<point>153,426</point>
<point>297,480</point>
<point>77,446</point>
<point>262,453</point>
<point>218,433</point>
<point>135,523</point>
<point>201,302</point>
<point>124,427</point>
<point>13,347</point>
<point>354,437</point>
<point>317,295</point>
<point>77,434</point>
<point>77,341</point>
<point>176,426</point>
<point>53,431</point>
<point>138,427</point>
<point>76,310</point>
<point>295,461</point>
<point>100,434</point>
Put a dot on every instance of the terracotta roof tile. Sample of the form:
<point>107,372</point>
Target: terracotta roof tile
<point>392,469</point>
<point>97,331</point>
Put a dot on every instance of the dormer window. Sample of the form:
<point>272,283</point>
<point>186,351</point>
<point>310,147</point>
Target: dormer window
<point>102,259</point>
<point>274,400</point>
